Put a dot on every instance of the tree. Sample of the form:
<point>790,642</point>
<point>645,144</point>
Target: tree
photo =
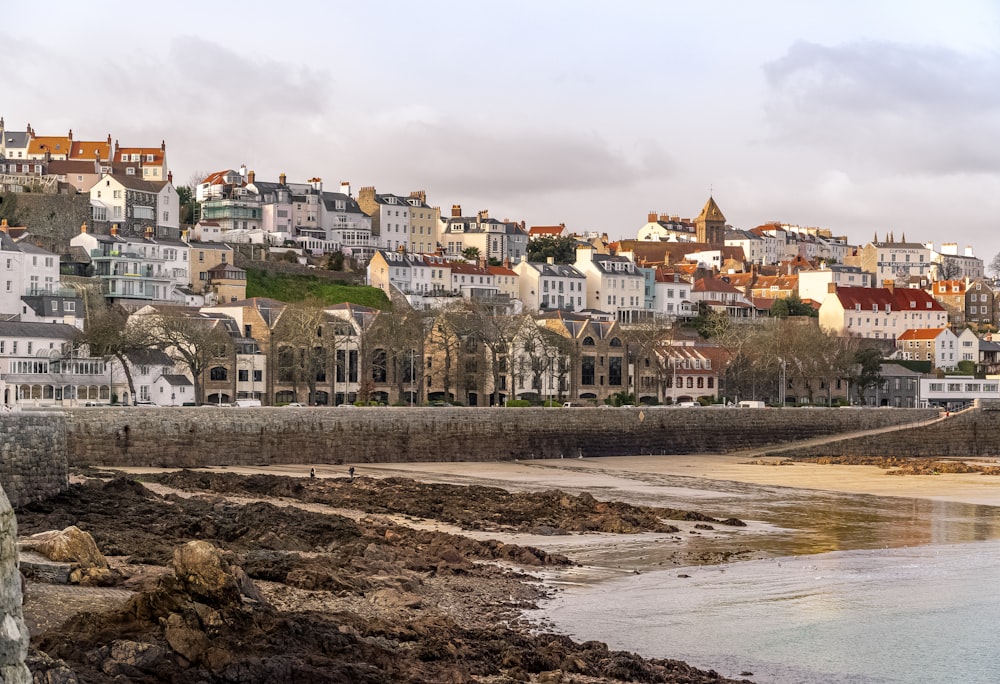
<point>185,197</point>
<point>300,347</point>
<point>398,338</point>
<point>444,339</point>
<point>792,306</point>
<point>8,208</point>
<point>194,341</point>
<point>562,249</point>
<point>994,266</point>
<point>869,373</point>
<point>110,334</point>
<point>471,253</point>
<point>496,330</point>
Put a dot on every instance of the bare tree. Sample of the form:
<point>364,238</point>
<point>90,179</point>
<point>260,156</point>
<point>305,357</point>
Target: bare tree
<point>192,340</point>
<point>496,330</point>
<point>300,348</point>
<point>109,333</point>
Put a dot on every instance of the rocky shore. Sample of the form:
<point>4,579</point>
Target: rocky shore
<point>218,577</point>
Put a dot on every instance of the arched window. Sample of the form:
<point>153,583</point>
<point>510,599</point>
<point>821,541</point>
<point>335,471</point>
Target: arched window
<point>218,373</point>
<point>588,341</point>
<point>615,342</point>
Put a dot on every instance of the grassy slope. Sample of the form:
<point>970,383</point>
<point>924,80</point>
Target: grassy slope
<point>297,288</point>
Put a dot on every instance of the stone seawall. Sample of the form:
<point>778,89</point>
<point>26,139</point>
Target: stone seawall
<point>32,455</point>
<point>262,436</point>
<point>962,435</point>
<point>13,632</point>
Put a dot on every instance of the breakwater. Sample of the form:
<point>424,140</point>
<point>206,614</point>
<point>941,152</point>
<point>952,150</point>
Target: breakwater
<point>192,437</point>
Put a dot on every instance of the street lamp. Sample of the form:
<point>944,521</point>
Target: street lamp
<point>413,375</point>
<point>781,390</point>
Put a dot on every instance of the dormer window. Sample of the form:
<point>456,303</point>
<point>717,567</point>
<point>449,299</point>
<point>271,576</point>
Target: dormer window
<point>149,158</point>
<point>124,157</point>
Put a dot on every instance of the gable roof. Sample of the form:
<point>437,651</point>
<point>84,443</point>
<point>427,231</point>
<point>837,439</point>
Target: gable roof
<point>898,299</point>
<point>920,334</point>
<point>88,150</point>
<point>54,144</point>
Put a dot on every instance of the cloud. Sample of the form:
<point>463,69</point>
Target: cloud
<point>497,158</point>
<point>909,108</point>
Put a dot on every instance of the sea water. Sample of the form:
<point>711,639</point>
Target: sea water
<point>891,615</point>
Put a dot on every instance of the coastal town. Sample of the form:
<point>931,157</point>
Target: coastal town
<point>121,286</point>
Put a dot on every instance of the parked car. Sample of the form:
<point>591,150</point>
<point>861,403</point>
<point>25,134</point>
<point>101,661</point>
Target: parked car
<point>294,404</point>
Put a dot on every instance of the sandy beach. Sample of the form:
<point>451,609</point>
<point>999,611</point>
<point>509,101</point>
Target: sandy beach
<point>605,477</point>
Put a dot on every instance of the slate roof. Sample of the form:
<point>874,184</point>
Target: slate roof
<point>58,331</point>
<point>176,380</point>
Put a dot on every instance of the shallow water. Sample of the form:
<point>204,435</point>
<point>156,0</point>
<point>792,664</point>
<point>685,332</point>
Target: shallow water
<point>846,588</point>
<point>913,615</point>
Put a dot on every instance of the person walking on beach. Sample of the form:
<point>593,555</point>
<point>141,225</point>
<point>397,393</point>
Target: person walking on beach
<point>312,473</point>
<point>350,471</point>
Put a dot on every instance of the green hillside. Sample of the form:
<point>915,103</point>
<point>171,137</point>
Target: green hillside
<point>298,288</point>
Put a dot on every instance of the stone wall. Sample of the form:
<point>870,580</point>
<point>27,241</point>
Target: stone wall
<point>32,455</point>
<point>13,632</point>
<point>967,434</point>
<point>52,220</point>
<point>262,436</point>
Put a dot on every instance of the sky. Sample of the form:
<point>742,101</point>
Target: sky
<point>861,117</point>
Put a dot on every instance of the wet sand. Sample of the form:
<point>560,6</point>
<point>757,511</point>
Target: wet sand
<point>632,474</point>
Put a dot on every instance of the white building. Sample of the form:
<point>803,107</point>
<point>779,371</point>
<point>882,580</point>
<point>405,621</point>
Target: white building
<point>544,286</point>
<point>39,366</point>
<point>614,284</point>
<point>815,285</point>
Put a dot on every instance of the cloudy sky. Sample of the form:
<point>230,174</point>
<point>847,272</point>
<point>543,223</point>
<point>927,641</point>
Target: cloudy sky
<point>863,117</point>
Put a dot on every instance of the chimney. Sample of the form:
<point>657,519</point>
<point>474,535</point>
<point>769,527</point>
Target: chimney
<point>281,179</point>
<point>345,187</point>
<point>420,195</point>
<point>83,226</point>
<point>109,140</point>
<point>651,217</point>
<point>163,146</point>
<point>456,210</point>
<point>116,148</point>
<point>250,177</point>
<point>170,176</point>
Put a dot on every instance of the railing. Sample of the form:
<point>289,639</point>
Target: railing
<point>51,292</point>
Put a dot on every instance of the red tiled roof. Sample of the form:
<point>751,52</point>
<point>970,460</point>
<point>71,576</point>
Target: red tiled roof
<point>920,334</point>
<point>899,299</point>
<point>536,231</point>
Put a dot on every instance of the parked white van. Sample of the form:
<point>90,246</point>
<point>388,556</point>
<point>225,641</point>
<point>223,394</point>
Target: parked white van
<point>751,404</point>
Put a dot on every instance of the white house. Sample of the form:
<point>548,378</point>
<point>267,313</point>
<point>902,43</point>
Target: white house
<point>39,366</point>
<point>547,285</point>
<point>879,312</point>
<point>672,296</point>
<point>614,284</point>
<point>937,345</point>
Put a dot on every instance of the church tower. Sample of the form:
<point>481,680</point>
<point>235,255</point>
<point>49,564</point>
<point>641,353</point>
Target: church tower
<point>710,226</point>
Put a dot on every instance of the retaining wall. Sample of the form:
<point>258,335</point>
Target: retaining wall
<point>966,434</point>
<point>32,455</point>
<point>261,436</point>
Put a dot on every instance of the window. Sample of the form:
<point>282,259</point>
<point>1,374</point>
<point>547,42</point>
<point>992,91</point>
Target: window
<point>218,373</point>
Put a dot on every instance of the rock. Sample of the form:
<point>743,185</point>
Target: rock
<point>13,633</point>
<point>71,545</point>
<point>189,642</point>
<point>205,574</point>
